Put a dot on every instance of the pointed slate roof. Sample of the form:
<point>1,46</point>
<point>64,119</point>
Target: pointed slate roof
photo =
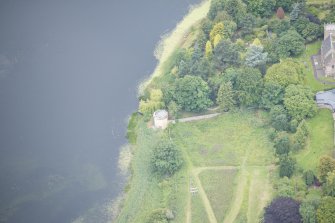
<point>328,49</point>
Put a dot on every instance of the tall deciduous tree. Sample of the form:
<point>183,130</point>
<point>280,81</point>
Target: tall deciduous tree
<point>217,29</point>
<point>282,209</point>
<point>329,186</point>
<point>272,95</point>
<point>326,210</point>
<point>308,212</point>
<point>155,102</point>
<point>192,93</point>
<point>286,166</point>
<point>166,158</point>
<point>226,54</point>
<point>216,6</point>
<point>249,84</point>
<point>282,144</point>
<point>326,165</point>
<point>290,44</point>
<point>262,8</point>
<point>299,102</point>
<point>285,73</point>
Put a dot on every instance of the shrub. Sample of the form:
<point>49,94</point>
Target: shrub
<point>286,166</point>
<point>166,159</point>
<point>309,177</point>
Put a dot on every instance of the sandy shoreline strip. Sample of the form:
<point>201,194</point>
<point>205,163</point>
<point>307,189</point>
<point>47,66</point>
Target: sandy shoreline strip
<point>173,40</point>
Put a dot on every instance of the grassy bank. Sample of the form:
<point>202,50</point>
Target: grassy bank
<point>320,141</point>
<point>227,158</point>
<point>170,43</point>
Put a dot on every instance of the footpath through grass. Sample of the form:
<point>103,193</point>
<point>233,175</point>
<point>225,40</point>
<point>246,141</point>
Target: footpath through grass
<point>232,155</point>
<point>225,140</point>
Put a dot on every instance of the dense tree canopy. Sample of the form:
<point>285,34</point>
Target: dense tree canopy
<point>329,186</point>
<point>326,211</point>
<point>226,96</point>
<point>308,30</point>
<point>155,102</point>
<point>285,73</point>
<point>286,166</point>
<point>290,44</point>
<point>272,94</point>
<point>218,29</point>
<point>308,212</point>
<point>300,137</point>
<point>299,102</point>
<point>216,6</point>
<point>192,93</point>
<point>249,84</point>
<point>262,8</point>
<point>282,209</point>
<point>282,144</point>
<point>226,54</point>
<point>326,165</point>
<point>285,4</point>
<point>255,56</point>
<point>166,158</point>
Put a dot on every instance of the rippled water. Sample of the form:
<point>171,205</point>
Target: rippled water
<point>69,71</point>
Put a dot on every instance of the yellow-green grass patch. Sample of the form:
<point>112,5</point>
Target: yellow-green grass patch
<point>199,214</point>
<point>219,186</point>
<point>226,140</point>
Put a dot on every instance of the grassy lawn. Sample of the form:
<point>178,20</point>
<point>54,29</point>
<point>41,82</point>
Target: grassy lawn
<point>320,141</point>
<point>259,193</point>
<point>226,140</point>
<point>199,214</point>
<point>147,193</point>
<point>315,85</point>
<point>219,186</point>
<point>232,139</point>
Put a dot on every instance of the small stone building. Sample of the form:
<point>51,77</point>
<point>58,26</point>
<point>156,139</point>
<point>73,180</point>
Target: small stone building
<point>161,119</point>
<point>328,50</point>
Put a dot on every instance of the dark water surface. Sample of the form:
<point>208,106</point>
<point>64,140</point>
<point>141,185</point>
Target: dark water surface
<point>69,71</point>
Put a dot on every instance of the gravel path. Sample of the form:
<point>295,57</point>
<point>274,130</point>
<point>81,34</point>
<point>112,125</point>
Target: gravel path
<point>196,118</point>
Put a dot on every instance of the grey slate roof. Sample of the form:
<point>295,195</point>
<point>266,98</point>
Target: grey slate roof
<point>326,97</point>
<point>328,47</point>
<point>329,58</point>
<point>327,44</point>
<point>161,114</point>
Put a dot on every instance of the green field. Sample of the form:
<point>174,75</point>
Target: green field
<point>227,140</point>
<point>230,156</point>
<point>219,186</point>
<point>229,159</point>
<point>320,141</point>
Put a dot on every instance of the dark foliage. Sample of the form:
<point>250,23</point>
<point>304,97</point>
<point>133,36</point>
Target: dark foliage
<point>226,54</point>
<point>286,166</point>
<point>282,210</point>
